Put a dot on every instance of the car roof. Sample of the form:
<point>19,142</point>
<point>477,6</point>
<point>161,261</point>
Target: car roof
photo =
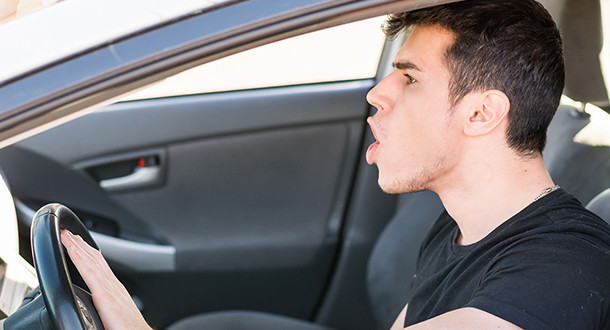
<point>70,27</point>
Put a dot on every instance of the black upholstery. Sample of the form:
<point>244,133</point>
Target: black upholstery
<point>394,257</point>
<point>600,205</point>
<point>577,154</point>
<point>580,24</point>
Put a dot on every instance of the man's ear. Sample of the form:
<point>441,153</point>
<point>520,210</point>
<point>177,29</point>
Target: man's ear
<point>487,112</point>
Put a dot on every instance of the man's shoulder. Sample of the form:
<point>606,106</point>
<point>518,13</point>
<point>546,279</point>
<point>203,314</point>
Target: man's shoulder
<point>559,218</point>
<point>560,232</point>
<point>535,270</point>
<point>556,259</point>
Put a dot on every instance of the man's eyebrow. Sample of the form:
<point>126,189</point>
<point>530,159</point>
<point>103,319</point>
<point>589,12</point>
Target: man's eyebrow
<point>405,65</point>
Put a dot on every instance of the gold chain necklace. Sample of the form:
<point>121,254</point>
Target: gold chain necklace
<point>546,192</point>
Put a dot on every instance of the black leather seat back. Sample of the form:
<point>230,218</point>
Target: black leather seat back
<point>393,260</point>
<point>600,205</point>
<point>577,154</point>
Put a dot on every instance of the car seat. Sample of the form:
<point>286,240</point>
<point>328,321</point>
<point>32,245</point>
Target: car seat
<point>600,205</point>
<point>577,154</point>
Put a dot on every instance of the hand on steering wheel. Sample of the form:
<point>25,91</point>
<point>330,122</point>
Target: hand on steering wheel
<point>114,307</point>
<point>68,306</point>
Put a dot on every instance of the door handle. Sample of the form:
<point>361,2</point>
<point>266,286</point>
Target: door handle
<point>140,177</point>
<point>126,171</point>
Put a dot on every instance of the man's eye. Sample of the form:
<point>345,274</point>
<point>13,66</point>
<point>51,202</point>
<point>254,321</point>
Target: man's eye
<point>410,80</point>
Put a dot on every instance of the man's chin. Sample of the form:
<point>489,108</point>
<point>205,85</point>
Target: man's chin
<point>388,186</point>
<point>397,188</point>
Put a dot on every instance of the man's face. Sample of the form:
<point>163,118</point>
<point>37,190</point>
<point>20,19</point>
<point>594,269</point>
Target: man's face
<point>415,131</point>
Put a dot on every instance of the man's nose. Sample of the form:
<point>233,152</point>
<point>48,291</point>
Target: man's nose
<point>371,96</point>
<point>377,95</point>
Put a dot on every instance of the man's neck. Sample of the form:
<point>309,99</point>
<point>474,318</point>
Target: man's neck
<point>487,193</point>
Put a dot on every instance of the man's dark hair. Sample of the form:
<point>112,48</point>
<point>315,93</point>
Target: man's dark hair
<point>510,45</point>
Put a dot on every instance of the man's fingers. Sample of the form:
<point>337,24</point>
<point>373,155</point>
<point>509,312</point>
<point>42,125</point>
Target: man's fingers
<point>74,250</point>
<point>76,241</point>
<point>87,260</point>
<point>112,301</point>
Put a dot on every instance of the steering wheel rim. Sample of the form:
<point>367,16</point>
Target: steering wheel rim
<point>67,309</point>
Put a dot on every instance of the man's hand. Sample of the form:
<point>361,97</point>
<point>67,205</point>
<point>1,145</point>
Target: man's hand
<point>112,301</point>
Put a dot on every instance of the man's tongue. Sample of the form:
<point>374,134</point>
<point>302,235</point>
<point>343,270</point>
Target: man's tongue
<point>370,152</point>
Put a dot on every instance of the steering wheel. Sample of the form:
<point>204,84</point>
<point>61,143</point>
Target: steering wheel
<point>68,305</point>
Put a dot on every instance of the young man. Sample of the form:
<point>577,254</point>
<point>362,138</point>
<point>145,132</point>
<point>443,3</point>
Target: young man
<point>465,114</point>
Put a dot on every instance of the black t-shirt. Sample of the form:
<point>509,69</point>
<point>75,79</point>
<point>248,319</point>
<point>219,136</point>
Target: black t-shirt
<point>547,267</point>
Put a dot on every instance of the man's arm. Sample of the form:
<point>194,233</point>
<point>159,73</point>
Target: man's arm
<point>400,320</point>
<point>463,318</point>
<point>112,301</point>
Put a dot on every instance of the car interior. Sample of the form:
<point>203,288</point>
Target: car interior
<point>579,131</point>
<point>259,212</point>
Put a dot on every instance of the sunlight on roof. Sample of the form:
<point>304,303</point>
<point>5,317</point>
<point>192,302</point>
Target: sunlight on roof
<point>12,9</point>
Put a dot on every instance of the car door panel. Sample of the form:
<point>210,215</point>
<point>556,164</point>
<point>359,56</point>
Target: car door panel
<point>37,180</point>
<point>276,187</point>
<point>249,195</point>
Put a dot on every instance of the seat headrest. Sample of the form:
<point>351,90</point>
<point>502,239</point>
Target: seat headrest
<point>580,23</point>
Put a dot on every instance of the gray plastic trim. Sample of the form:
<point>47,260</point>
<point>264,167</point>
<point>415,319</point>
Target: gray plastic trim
<point>135,256</point>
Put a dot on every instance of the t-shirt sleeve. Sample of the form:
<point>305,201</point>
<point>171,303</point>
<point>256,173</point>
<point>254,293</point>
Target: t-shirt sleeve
<point>548,283</point>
